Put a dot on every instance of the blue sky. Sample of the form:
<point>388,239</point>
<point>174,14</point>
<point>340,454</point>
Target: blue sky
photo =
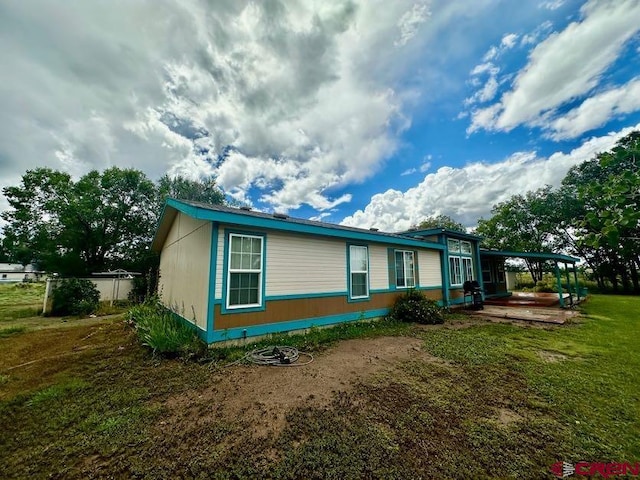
<point>366,113</point>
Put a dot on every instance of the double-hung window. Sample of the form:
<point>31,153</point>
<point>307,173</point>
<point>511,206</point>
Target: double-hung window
<point>455,272</point>
<point>460,261</point>
<point>358,271</point>
<point>245,270</point>
<point>405,269</point>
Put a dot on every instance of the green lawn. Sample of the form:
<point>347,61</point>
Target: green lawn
<point>20,300</point>
<point>495,401</point>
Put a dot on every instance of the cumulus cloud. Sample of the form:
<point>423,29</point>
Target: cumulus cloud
<point>279,97</point>
<point>552,78</point>
<point>597,110</point>
<point>468,193</point>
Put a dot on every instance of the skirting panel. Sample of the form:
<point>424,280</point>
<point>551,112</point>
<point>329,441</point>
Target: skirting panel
<point>300,309</point>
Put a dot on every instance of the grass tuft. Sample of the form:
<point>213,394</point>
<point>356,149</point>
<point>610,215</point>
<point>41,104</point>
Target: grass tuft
<point>7,332</point>
<point>160,330</point>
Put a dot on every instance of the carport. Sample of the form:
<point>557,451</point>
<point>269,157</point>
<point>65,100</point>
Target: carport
<point>493,273</point>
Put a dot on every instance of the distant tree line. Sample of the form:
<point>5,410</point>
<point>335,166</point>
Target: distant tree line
<point>104,220</point>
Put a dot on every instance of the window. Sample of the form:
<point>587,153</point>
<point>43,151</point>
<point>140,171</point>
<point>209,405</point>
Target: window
<point>405,269</point>
<point>453,245</point>
<point>455,272</point>
<point>500,272</point>
<point>465,247</point>
<point>467,269</point>
<point>486,272</point>
<point>358,271</point>
<point>244,281</point>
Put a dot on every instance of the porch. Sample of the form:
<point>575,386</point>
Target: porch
<point>495,287</point>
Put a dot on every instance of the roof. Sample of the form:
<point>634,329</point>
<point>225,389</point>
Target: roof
<point>533,255</point>
<point>255,219</point>
<point>438,231</point>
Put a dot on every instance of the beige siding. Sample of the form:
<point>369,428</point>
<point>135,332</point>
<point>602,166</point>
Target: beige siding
<point>297,264</point>
<point>301,264</point>
<point>378,267</point>
<point>429,267</point>
<point>184,268</point>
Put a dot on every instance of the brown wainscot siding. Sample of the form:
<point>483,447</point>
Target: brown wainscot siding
<point>308,308</point>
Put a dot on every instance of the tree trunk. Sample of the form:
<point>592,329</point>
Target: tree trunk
<point>634,276</point>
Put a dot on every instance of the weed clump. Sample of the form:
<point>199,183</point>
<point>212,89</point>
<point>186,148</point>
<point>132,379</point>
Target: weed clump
<point>413,306</point>
<point>75,296</point>
<point>160,329</point>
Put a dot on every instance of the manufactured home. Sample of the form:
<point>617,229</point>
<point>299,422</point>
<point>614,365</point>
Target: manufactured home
<point>236,273</point>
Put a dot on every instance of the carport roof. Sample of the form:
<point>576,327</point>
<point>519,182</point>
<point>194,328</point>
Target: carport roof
<point>529,255</point>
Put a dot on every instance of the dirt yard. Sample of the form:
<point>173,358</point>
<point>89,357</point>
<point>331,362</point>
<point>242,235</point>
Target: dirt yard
<point>472,398</point>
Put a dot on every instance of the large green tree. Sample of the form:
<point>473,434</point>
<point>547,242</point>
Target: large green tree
<point>524,223</point>
<point>607,191</point>
<point>204,190</point>
<point>77,227</point>
<point>441,221</point>
<point>101,221</point>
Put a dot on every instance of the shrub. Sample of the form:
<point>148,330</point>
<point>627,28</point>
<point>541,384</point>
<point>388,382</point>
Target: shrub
<point>75,296</point>
<point>160,330</point>
<point>413,306</point>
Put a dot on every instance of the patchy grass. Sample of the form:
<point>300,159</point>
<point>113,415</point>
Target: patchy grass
<point>492,401</point>
<point>20,300</point>
<point>5,332</point>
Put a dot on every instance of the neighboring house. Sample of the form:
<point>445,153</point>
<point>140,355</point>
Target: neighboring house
<point>236,273</point>
<point>15,272</point>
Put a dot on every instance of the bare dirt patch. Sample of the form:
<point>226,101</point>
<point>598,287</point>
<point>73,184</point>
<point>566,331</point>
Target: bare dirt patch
<point>32,360</point>
<point>551,357</point>
<point>263,396</point>
<point>506,416</point>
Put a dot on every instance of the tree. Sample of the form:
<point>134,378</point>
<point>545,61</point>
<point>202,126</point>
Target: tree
<point>101,221</point>
<point>441,221</point>
<point>605,191</point>
<point>205,191</point>
<point>525,223</point>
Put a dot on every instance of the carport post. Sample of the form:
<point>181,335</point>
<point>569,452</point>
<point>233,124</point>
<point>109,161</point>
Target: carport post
<point>566,271</point>
<point>575,276</point>
<point>559,284</point>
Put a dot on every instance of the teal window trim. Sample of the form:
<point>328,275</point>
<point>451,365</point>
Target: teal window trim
<point>225,309</point>
<point>404,268</point>
<point>213,263</point>
<point>350,297</point>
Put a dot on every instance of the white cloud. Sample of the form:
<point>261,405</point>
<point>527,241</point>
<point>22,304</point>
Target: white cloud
<point>410,22</point>
<point>408,171</point>
<point>565,66</point>
<point>597,110</point>
<point>468,193</point>
<point>320,216</point>
<point>541,30</point>
<point>425,166</point>
<point>552,4</point>
<point>509,41</point>
<point>304,93</point>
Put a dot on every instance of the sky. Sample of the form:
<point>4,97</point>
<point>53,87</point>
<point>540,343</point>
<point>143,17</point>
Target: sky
<point>366,113</point>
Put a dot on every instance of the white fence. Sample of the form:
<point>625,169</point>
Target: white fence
<point>111,289</point>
